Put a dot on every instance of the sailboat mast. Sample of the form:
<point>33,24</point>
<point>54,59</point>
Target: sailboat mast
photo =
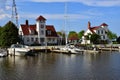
<point>66,23</point>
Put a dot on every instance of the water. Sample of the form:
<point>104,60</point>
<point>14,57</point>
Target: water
<point>55,66</point>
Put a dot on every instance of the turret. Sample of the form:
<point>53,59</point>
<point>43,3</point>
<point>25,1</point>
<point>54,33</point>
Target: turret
<point>41,28</point>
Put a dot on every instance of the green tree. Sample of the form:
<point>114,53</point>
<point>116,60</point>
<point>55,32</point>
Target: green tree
<point>9,35</point>
<point>72,34</point>
<point>111,35</point>
<point>95,38</point>
<point>80,34</point>
<point>0,33</point>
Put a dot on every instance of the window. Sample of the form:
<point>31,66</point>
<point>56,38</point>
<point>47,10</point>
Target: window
<point>103,37</point>
<point>42,26</point>
<point>101,31</point>
<point>42,40</point>
<point>32,39</point>
<point>32,32</point>
<point>42,32</point>
<point>98,32</point>
<point>28,39</point>
<point>36,39</point>
<point>49,32</point>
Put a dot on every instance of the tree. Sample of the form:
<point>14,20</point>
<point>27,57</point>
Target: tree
<point>9,35</point>
<point>72,34</point>
<point>80,34</point>
<point>95,38</point>
<point>0,33</point>
<point>111,35</point>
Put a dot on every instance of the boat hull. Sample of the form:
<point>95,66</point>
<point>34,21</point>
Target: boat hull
<point>18,51</point>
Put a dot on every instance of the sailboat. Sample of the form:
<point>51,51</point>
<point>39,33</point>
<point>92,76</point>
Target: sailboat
<point>69,48</point>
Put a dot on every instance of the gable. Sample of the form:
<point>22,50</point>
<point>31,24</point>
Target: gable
<point>29,29</point>
<point>88,31</point>
<point>50,31</point>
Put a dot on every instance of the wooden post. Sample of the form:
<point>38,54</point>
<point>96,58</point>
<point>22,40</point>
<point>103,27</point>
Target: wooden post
<point>14,52</point>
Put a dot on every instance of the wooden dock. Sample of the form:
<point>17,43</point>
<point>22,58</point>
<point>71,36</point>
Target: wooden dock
<point>51,49</point>
<point>109,49</point>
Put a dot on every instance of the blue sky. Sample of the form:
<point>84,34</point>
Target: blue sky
<point>79,12</point>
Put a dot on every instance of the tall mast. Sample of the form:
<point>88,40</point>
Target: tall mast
<point>14,13</point>
<point>66,23</point>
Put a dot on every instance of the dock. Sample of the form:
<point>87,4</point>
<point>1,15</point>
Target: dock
<point>109,49</point>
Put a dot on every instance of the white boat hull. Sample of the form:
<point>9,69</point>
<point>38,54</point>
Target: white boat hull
<point>18,51</point>
<point>72,50</point>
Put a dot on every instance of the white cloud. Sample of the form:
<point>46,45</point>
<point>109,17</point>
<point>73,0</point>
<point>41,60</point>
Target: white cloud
<point>3,16</point>
<point>4,9</point>
<point>105,3</point>
<point>7,7</point>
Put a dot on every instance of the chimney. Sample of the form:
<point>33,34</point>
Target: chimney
<point>89,24</point>
<point>27,23</point>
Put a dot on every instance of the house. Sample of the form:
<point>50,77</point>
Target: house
<point>73,39</point>
<point>100,30</point>
<point>38,33</point>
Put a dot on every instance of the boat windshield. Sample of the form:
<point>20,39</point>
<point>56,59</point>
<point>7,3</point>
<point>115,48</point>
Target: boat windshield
<point>17,46</point>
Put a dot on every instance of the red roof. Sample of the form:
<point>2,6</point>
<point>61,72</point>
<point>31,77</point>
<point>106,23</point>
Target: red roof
<point>104,24</point>
<point>40,18</point>
<point>26,29</point>
<point>32,27</point>
<point>96,27</point>
<point>53,31</point>
<point>73,38</point>
<point>93,28</point>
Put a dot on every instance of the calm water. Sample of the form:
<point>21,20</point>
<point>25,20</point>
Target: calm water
<point>55,66</point>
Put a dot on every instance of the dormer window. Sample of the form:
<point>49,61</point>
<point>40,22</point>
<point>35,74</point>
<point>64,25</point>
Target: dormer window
<point>32,32</point>
<point>49,32</point>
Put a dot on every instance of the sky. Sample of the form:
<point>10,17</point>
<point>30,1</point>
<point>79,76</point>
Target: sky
<point>69,15</point>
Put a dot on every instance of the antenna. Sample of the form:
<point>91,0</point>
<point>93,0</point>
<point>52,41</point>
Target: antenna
<point>14,13</point>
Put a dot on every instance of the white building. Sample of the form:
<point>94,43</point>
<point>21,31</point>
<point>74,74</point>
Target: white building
<point>38,33</point>
<point>100,30</point>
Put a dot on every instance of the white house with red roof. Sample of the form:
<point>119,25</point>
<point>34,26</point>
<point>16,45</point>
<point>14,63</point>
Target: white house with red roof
<point>38,33</point>
<point>100,30</point>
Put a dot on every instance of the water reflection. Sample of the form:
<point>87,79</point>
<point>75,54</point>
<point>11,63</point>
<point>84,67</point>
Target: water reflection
<point>54,66</point>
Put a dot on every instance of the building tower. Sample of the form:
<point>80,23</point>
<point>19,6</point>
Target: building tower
<point>41,29</point>
<point>14,13</point>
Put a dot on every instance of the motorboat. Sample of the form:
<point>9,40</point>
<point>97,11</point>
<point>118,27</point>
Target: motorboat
<point>71,49</point>
<point>3,53</point>
<point>18,49</point>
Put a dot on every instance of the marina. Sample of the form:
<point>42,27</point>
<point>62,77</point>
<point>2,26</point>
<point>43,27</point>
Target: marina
<point>59,40</point>
<point>30,50</point>
<point>53,66</point>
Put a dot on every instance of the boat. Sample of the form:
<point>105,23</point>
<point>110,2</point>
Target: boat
<point>3,53</point>
<point>71,49</point>
<point>68,49</point>
<point>18,50</point>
